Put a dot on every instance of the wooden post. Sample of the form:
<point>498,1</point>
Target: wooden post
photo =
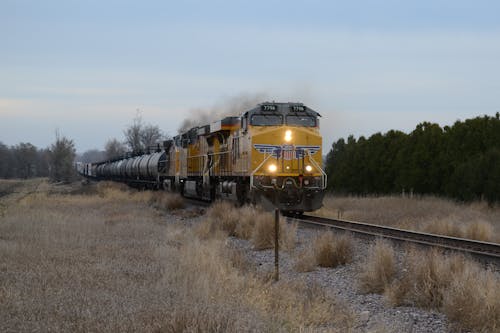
<point>276,243</point>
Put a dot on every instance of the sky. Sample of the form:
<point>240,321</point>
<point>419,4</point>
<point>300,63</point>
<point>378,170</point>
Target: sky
<point>85,68</point>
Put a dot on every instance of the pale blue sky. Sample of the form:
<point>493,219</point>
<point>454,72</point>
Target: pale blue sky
<point>84,67</point>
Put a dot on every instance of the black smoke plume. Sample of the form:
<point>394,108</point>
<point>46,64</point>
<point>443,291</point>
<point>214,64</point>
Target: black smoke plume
<point>231,106</point>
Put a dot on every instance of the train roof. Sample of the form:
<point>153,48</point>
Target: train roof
<point>283,108</point>
<point>233,121</point>
<point>227,123</point>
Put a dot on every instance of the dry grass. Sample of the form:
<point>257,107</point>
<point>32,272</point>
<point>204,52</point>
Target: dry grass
<point>305,260</point>
<point>102,188</point>
<point>263,234</point>
<point>167,201</point>
<point>78,263</point>
<point>426,275</point>
<point>249,223</point>
<point>288,235</point>
<point>108,262</point>
<point>480,230</point>
<point>9,186</point>
<point>305,305</point>
<point>207,271</point>
<point>239,260</point>
<point>331,250</point>
<point>468,294</point>
<point>246,221</point>
<point>223,215</point>
<point>472,299</point>
<point>379,269</point>
<point>444,226</point>
<point>13,190</point>
<point>431,214</point>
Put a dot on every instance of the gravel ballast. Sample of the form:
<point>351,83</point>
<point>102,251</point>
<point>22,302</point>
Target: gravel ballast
<point>372,313</point>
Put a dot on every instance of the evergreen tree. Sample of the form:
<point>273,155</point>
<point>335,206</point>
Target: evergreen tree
<point>461,161</point>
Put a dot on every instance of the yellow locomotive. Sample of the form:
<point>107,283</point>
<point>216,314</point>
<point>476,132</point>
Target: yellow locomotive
<point>270,155</point>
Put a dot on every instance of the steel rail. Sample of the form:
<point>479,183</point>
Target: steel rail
<point>474,247</point>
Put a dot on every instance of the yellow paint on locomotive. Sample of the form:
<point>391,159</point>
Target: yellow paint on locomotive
<point>233,152</point>
<point>195,159</point>
<point>287,164</point>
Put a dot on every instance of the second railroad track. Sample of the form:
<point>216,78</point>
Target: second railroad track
<point>486,250</point>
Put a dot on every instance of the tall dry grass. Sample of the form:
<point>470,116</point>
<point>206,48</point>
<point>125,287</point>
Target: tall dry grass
<point>223,215</point>
<point>249,223</point>
<point>325,249</point>
<point>467,293</point>
<point>480,230</point>
<point>430,214</point>
<point>167,200</point>
<point>472,299</point>
<point>263,235</point>
<point>79,263</point>
<point>206,276</point>
<point>333,250</point>
<point>379,269</point>
<point>305,260</point>
<point>106,262</point>
<point>426,275</point>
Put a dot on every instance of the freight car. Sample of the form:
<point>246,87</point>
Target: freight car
<point>269,155</point>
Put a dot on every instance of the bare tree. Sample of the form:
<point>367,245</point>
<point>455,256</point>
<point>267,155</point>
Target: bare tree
<point>114,149</point>
<point>62,156</point>
<point>140,137</point>
<point>133,134</point>
<point>150,136</point>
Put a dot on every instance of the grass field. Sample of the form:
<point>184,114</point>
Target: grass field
<point>107,259</point>
<point>429,214</point>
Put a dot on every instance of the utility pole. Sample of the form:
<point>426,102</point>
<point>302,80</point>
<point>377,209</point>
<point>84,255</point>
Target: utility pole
<point>276,235</point>
<point>276,243</point>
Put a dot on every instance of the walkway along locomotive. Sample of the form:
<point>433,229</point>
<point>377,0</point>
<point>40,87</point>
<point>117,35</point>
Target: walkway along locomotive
<point>270,155</point>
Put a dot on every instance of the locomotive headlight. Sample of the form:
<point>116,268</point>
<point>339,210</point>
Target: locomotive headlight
<point>272,168</point>
<point>309,168</point>
<point>288,136</point>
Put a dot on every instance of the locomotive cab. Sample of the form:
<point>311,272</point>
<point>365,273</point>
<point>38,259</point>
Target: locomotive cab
<point>286,164</point>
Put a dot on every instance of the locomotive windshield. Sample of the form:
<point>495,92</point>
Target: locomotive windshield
<point>301,120</point>
<point>267,120</point>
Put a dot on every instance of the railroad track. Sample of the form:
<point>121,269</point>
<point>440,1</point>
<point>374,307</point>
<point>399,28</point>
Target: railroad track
<point>486,250</point>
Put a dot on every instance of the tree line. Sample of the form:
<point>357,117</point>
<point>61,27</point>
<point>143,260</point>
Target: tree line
<point>25,160</point>
<point>460,161</point>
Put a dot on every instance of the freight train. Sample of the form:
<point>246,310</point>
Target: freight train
<point>269,155</point>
